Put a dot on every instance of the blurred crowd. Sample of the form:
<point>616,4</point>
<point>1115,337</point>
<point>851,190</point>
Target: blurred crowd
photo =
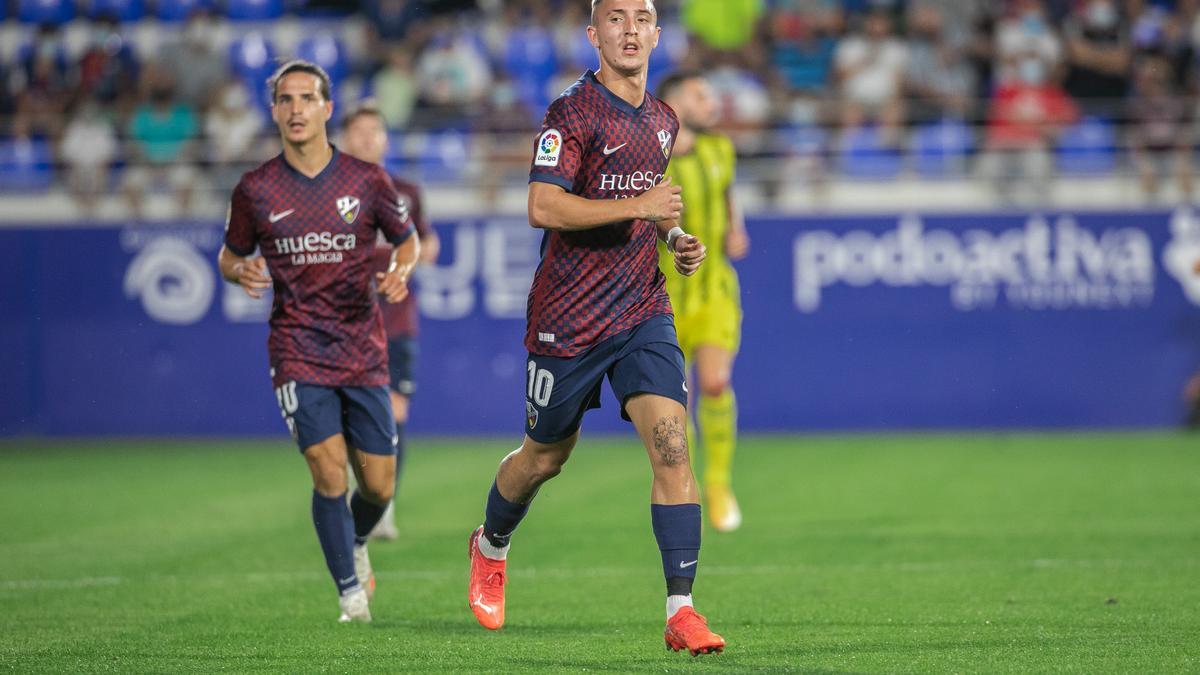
<point>119,99</point>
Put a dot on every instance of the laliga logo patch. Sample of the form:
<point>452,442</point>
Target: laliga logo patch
<point>664,139</point>
<point>347,207</point>
<point>531,414</point>
<point>549,148</point>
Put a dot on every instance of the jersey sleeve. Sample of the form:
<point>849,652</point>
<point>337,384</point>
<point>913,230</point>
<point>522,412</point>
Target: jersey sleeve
<point>391,213</point>
<point>560,145</point>
<point>416,209</point>
<point>240,236</point>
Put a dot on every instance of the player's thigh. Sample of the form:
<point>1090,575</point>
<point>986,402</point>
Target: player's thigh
<point>313,413</point>
<point>651,362</point>
<point>327,464</point>
<point>558,391</point>
<point>371,430</point>
<point>661,424</point>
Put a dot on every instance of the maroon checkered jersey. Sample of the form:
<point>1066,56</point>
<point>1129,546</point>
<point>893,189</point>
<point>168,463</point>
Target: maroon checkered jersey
<point>317,236</point>
<point>400,319</point>
<point>592,284</point>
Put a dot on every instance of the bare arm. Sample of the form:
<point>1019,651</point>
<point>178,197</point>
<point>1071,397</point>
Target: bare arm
<point>430,247</point>
<point>553,208</point>
<point>249,273</point>
<point>393,284</point>
<point>737,241</point>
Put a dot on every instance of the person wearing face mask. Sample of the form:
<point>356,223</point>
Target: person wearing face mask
<point>1098,55</point>
<point>231,131</point>
<point>1025,117</point>
<point>198,67</point>
<point>1026,33</point>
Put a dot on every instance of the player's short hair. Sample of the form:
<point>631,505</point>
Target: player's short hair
<point>300,66</point>
<point>364,108</point>
<point>674,81</point>
<point>596,3</point>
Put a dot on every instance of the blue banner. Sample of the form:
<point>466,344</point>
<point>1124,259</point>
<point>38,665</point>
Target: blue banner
<point>1055,320</point>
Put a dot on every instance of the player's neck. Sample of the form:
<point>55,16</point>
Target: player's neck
<point>630,88</point>
<point>309,158</point>
<point>684,141</point>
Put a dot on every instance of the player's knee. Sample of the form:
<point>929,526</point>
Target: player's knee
<point>547,465</point>
<point>713,386</point>
<point>379,492</point>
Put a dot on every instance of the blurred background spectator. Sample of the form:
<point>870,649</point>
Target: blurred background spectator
<point>817,94</point>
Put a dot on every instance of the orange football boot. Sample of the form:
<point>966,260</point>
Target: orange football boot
<point>485,594</point>
<point>689,630</point>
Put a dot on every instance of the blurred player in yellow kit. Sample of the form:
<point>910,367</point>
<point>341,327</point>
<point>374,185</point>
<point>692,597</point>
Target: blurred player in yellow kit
<point>708,310</point>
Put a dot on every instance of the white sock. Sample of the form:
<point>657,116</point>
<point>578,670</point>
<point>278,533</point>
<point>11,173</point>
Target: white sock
<point>486,548</point>
<point>676,603</point>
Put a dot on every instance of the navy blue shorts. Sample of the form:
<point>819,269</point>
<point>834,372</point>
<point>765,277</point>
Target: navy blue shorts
<point>402,362</point>
<point>315,412</point>
<point>645,359</point>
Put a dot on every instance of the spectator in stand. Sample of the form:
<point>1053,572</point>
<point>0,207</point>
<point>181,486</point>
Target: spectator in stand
<point>870,73</point>
<point>194,61</point>
<point>506,126</point>
<point>43,87</point>
<point>161,144</point>
<point>395,88</point>
<point>108,70</point>
<point>1024,36</point>
<point>395,22</point>
<point>1160,129</point>
<point>453,78</point>
<point>1027,113</point>
<point>725,28</point>
<point>231,132</point>
<point>1098,57</point>
<point>87,151</point>
<point>939,81</point>
<point>802,48</point>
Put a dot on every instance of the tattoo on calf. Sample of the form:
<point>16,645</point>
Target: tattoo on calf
<point>670,441</point>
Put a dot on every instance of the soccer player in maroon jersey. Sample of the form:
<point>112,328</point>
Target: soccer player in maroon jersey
<point>364,135</point>
<point>598,306</point>
<point>314,214</point>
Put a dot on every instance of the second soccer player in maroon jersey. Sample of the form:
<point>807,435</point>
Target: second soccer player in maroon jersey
<point>314,214</point>
<point>598,307</point>
<point>364,135</point>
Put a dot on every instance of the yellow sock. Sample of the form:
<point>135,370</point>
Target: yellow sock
<point>717,416</point>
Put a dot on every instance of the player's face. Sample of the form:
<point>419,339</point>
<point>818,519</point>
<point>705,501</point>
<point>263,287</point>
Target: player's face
<point>696,104</point>
<point>625,32</point>
<point>366,138</point>
<point>299,109</point>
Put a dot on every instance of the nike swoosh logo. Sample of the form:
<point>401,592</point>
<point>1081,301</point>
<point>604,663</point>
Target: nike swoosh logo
<point>609,151</point>
<point>276,217</point>
<point>683,565</point>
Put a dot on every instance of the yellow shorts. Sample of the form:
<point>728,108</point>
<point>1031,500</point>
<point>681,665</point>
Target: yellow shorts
<point>717,322</point>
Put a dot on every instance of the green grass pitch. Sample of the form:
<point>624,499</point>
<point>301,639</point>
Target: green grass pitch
<point>888,553</point>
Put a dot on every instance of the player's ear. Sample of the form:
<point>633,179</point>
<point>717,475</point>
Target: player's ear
<point>593,37</point>
<point>328,110</point>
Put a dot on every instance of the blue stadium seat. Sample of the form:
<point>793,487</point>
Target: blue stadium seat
<point>864,155</point>
<point>1089,148</point>
<point>941,149</point>
<point>45,11</point>
<point>326,51</point>
<point>252,60</point>
<point>124,10</point>
<point>530,61</point>
<point>253,10</point>
<point>174,11</point>
<point>442,154</point>
<point>805,140</point>
<point>26,165</point>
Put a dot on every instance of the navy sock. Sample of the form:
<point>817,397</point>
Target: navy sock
<point>335,531</point>
<point>366,515</point>
<point>677,529</point>
<point>501,517</point>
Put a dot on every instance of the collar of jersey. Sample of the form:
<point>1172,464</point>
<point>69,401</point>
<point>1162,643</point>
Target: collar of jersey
<point>620,103</point>
<point>296,172</point>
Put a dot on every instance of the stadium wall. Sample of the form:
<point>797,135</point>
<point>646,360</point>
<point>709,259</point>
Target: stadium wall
<point>972,320</point>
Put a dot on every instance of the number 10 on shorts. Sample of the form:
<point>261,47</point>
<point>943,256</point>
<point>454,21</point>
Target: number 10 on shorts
<point>540,384</point>
<point>289,403</point>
